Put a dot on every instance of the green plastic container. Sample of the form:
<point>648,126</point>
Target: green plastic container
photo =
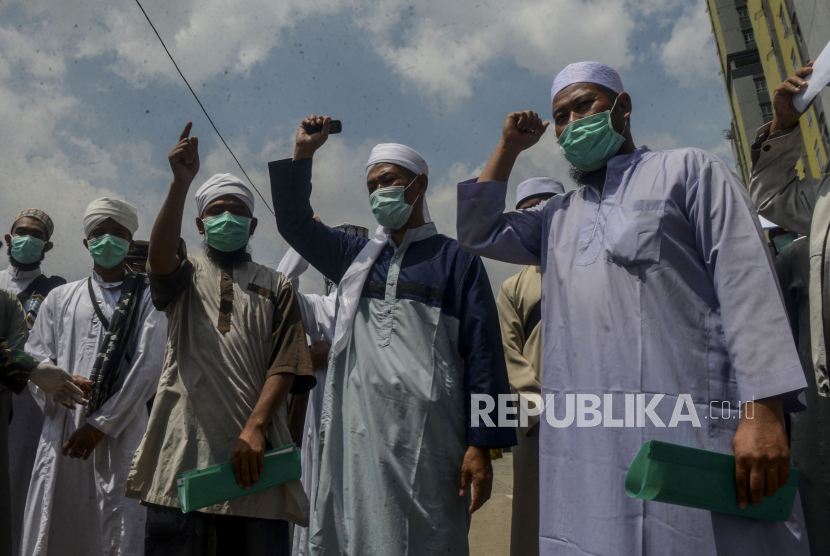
<point>684,476</point>
<point>217,484</point>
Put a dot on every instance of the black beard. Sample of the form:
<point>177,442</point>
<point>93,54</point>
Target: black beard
<point>586,177</point>
<point>225,259</point>
<point>24,267</point>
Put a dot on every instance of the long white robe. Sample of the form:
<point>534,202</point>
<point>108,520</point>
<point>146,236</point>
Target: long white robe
<point>78,507</point>
<point>318,319</point>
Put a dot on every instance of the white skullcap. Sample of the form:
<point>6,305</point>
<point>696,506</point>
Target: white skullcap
<point>403,156</point>
<point>535,187</point>
<point>587,72</point>
<point>223,184</point>
<point>120,211</point>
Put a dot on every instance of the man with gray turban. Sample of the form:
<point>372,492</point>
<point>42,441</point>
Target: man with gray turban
<point>520,316</point>
<point>403,464</point>
<point>104,330</point>
<point>656,282</point>
<point>236,349</point>
<point>28,241</point>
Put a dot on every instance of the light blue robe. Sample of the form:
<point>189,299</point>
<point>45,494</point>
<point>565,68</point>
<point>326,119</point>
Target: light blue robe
<point>396,420</point>
<point>660,285</point>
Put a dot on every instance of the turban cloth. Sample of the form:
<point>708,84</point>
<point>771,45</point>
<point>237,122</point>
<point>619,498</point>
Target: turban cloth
<point>120,211</point>
<point>37,215</point>
<point>587,72</point>
<point>223,184</point>
<point>536,187</point>
<point>403,156</point>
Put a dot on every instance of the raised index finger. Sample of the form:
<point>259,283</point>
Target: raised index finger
<point>186,133</point>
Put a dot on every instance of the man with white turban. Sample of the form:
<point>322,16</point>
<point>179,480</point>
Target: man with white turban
<point>403,464</point>
<point>236,349</point>
<point>520,316</point>
<point>104,330</point>
<point>656,281</point>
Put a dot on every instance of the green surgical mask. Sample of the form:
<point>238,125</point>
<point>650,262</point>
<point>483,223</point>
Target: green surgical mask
<point>227,232</point>
<point>590,142</point>
<point>389,207</point>
<point>108,250</point>
<point>26,249</point>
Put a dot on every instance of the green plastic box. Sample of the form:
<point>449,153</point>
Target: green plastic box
<point>696,478</point>
<point>217,484</point>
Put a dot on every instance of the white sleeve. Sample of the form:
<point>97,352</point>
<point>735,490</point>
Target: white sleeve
<point>43,346</point>
<point>292,266</point>
<point>318,315</point>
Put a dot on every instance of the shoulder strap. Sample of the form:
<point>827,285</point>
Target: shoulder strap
<point>95,305</point>
<point>30,289</point>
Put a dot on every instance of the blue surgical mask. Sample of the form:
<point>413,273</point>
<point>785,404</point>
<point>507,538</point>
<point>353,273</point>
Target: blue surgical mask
<point>26,249</point>
<point>108,250</point>
<point>227,232</point>
<point>590,142</point>
<point>389,207</point>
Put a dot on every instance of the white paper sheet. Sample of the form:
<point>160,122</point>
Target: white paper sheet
<point>815,81</point>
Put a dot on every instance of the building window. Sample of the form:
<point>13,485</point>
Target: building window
<point>743,13</point>
<point>749,38</point>
<point>794,60</point>
<point>784,20</point>
<point>766,111</point>
<point>819,158</point>
<point>760,85</point>
<point>809,119</point>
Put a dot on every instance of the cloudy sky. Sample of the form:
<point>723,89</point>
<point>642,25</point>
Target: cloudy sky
<point>90,104</point>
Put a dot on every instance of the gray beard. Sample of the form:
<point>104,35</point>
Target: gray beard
<point>225,259</point>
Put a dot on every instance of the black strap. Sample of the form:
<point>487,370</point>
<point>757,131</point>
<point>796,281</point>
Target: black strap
<point>95,305</point>
<point>533,319</point>
<point>30,289</point>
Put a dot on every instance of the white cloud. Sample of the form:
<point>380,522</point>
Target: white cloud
<point>447,48</point>
<point>690,56</point>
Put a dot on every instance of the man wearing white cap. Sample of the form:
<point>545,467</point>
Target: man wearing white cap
<point>236,349</point>
<point>104,330</point>
<point>520,316</point>
<point>655,281</point>
<point>29,239</point>
<point>416,335</point>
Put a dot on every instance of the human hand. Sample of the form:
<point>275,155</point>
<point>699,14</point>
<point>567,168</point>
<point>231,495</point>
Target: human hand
<point>82,442</point>
<point>184,158</point>
<point>786,114</point>
<point>308,143</point>
<point>478,469</point>
<point>522,130</point>
<point>249,456</point>
<point>320,354</point>
<point>59,384</point>
<point>762,453</point>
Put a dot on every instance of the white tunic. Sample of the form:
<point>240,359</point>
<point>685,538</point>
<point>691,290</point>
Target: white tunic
<point>318,319</point>
<point>78,507</point>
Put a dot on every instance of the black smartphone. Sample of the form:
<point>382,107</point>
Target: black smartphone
<point>336,127</point>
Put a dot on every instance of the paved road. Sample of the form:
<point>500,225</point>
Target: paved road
<point>490,528</point>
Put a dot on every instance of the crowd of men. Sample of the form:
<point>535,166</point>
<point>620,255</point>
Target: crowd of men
<point>653,276</point>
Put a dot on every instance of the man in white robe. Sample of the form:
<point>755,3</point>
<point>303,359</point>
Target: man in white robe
<point>318,320</point>
<point>656,281</point>
<point>76,503</point>
<point>28,240</point>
